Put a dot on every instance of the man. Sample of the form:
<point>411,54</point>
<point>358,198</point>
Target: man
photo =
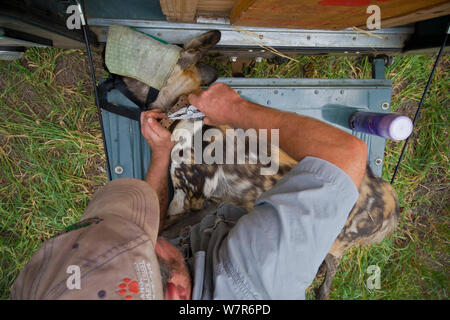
<point>272,252</point>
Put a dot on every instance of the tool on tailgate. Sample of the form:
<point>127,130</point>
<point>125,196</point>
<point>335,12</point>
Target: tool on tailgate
<point>190,112</point>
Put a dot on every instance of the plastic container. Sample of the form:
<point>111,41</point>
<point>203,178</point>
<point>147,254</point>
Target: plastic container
<point>386,125</point>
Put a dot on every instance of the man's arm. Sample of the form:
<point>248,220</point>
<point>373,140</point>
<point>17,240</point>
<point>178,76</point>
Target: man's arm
<point>300,136</point>
<point>157,177</point>
<point>159,140</point>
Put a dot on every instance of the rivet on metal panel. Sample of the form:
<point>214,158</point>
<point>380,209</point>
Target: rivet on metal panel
<point>341,92</point>
<point>275,91</point>
<point>239,91</point>
<point>316,91</point>
<point>378,161</point>
<point>118,170</point>
<point>385,105</point>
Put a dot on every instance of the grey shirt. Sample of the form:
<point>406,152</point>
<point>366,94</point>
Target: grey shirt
<point>274,251</point>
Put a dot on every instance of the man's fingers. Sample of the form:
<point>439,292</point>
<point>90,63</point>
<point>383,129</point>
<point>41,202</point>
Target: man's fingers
<point>194,100</point>
<point>154,114</point>
<point>157,128</point>
<point>154,110</point>
<point>157,111</point>
<point>152,135</point>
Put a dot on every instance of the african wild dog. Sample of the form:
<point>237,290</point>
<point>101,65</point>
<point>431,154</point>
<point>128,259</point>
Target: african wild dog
<point>373,217</point>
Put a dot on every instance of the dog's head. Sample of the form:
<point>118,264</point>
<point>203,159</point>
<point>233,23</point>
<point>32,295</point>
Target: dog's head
<point>186,77</point>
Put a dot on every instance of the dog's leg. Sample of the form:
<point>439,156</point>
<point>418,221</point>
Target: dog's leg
<point>373,217</point>
<point>176,206</point>
<point>183,202</point>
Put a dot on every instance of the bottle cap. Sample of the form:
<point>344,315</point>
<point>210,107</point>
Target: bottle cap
<point>400,128</point>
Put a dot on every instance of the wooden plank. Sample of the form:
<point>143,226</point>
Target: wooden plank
<point>215,8</point>
<point>219,5</point>
<point>239,9</point>
<point>326,14</point>
<point>179,10</point>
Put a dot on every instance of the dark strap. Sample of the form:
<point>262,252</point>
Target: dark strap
<point>116,82</point>
<point>151,95</point>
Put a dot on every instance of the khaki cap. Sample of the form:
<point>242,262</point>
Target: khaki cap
<point>109,254</point>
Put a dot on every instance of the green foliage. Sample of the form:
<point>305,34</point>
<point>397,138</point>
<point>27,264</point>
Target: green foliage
<point>50,151</point>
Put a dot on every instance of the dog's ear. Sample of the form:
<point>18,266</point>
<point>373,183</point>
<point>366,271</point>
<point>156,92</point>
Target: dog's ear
<point>205,41</point>
<point>207,73</point>
<point>195,49</point>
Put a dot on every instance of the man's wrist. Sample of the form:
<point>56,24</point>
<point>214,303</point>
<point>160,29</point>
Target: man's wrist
<point>158,169</point>
<point>237,111</point>
<point>160,158</point>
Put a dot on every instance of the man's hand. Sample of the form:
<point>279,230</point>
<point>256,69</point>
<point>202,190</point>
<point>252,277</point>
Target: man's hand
<point>158,138</point>
<point>219,103</point>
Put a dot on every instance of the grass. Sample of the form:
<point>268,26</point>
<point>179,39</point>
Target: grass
<point>51,161</point>
<point>50,148</point>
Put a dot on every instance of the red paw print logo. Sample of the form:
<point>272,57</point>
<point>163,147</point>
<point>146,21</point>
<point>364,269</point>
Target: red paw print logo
<point>127,288</point>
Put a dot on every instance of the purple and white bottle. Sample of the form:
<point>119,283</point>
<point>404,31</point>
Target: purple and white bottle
<point>386,125</point>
